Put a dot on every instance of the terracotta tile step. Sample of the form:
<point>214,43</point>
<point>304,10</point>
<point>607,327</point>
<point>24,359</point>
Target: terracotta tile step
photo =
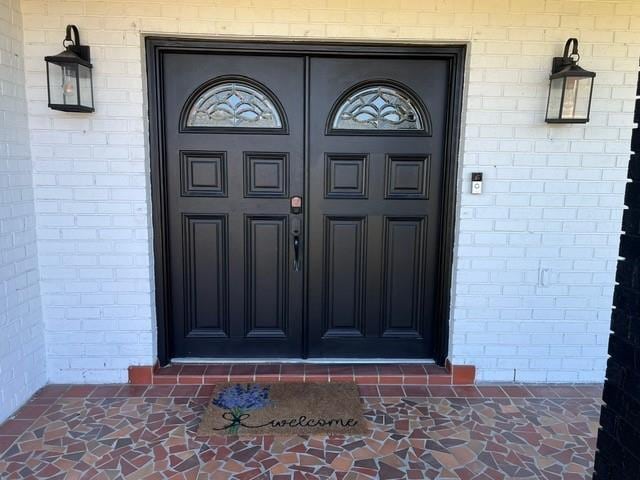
<point>369,374</point>
<point>49,394</point>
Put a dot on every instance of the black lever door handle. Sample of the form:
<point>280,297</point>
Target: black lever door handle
<point>296,231</point>
<point>296,253</point>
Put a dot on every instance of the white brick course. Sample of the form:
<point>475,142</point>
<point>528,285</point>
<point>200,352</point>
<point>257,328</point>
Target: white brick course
<point>535,254</point>
<point>22,351</point>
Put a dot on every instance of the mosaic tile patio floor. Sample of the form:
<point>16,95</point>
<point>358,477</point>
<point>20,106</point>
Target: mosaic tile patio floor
<point>467,432</point>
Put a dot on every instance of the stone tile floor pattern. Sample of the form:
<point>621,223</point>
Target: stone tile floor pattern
<point>469,433</point>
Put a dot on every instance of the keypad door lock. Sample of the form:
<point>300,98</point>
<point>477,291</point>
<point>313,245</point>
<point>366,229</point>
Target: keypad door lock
<point>296,205</point>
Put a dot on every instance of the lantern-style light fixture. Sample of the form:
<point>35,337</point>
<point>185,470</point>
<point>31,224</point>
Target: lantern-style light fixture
<point>69,79</point>
<point>570,88</point>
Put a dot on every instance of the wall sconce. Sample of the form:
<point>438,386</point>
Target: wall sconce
<point>570,88</point>
<point>69,79</point>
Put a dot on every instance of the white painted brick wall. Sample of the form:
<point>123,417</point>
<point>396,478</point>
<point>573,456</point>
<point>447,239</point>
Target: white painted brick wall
<point>535,254</point>
<point>22,352</point>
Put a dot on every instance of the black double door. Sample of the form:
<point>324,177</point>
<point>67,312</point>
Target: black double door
<point>351,273</point>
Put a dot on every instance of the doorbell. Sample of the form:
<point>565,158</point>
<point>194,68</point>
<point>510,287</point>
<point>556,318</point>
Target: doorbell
<point>476,183</point>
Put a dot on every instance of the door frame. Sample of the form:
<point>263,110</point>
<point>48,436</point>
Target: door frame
<point>156,47</point>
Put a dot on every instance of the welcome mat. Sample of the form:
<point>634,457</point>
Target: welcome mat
<point>284,409</point>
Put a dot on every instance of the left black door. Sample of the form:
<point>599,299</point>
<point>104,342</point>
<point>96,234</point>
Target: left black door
<point>233,150</point>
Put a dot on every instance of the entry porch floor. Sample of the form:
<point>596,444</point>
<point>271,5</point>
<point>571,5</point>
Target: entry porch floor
<point>148,432</point>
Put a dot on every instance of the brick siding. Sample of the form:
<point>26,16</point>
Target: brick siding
<point>22,350</point>
<point>535,255</point>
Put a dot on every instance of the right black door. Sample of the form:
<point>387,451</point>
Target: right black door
<point>376,141</point>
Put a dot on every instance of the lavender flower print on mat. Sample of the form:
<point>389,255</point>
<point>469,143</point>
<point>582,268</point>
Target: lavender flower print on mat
<point>287,408</point>
<point>239,400</point>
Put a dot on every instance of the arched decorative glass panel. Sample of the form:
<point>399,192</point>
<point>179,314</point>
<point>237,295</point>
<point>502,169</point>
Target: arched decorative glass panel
<point>378,107</point>
<point>234,104</point>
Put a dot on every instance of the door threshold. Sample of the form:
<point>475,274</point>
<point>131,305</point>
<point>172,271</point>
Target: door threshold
<point>367,373</point>
<point>309,361</point>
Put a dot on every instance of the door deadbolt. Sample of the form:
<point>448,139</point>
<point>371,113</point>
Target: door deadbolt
<point>296,205</point>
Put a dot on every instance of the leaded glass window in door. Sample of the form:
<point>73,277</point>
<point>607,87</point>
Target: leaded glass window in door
<point>380,108</point>
<point>234,104</point>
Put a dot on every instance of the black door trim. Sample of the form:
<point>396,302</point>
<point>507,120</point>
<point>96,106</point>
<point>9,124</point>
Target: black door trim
<point>155,47</point>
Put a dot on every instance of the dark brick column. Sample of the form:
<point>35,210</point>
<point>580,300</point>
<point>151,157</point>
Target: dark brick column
<point>618,455</point>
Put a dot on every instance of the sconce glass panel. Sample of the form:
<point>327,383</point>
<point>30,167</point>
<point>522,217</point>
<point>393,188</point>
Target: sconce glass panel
<point>577,95</point>
<point>555,98</point>
<point>85,86</point>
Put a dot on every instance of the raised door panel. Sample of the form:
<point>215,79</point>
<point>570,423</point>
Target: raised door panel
<point>266,282</point>
<point>346,176</point>
<point>206,275</point>
<point>403,275</point>
<point>344,276</point>
<point>266,174</point>
<point>203,174</point>
<point>407,177</point>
